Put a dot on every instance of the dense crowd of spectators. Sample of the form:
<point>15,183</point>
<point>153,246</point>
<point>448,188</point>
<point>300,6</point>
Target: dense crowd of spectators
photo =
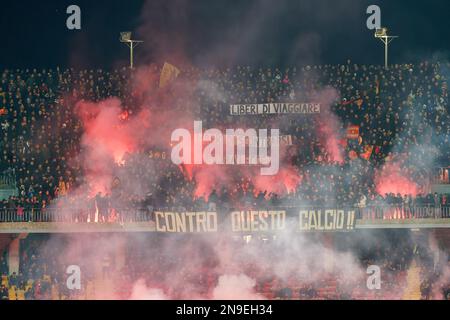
<point>171,273</point>
<point>401,112</point>
<point>42,274</point>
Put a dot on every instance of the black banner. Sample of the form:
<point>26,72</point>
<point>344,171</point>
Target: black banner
<point>253,221</point>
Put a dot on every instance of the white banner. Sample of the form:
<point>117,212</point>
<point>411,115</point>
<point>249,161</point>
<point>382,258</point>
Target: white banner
<point>274,108</point>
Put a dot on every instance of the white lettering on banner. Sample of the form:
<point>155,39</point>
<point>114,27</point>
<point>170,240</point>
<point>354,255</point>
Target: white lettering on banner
<point>325,220</point>
<point>258,221</point>
<point>308,220</point>
<point>275,108</point>
<point>186,222</point>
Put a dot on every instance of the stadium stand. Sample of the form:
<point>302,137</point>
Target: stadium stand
<point>39,132</point>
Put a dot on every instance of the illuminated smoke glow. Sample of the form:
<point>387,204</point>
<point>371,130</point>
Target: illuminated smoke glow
<point>235,287</point>
<point>108,136</point>
<point>330,127</point>
<point>392,179</point>
<point>106,140</point>
<point>140,291</point>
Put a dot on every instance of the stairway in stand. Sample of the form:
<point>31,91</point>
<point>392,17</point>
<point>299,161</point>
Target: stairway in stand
<point>412,290</point>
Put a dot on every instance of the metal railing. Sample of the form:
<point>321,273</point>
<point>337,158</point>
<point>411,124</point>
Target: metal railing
<point>403,212</point>
<point>75,216</point>
<point>147,215</point>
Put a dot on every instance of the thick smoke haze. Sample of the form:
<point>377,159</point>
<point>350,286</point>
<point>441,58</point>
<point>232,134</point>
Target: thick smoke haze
<point>106,140</point>
<point>142,292</point>
<point>114,129</point>
<point>232,287</point>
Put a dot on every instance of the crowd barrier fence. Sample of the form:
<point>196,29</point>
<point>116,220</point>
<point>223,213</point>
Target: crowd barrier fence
<point>147,214</point>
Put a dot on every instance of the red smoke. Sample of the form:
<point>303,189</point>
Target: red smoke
<point>111,131</point>
<point>208,178</point>
<point>329,130</point>
<point>331,141</point>
<point>105,141</point>
<point>105,133</point>
<point>286,181</point>
<point>232,177</point>
<point>215,177</point>
<point>392,179</point>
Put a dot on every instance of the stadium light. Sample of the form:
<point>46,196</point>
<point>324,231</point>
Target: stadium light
<point>125,37</point>
<point>382,34</point>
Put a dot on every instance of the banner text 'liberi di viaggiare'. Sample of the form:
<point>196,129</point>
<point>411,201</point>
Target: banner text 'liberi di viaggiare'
<point>274,108</point>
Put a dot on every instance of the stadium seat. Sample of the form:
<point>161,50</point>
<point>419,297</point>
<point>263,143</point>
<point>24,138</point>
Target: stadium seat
<point>12,294</point>
<point>20,294</point>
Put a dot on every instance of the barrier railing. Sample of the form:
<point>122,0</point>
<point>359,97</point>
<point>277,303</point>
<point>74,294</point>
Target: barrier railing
<point>75,216</point>
<point>403,212</point>
<point>147,215</point>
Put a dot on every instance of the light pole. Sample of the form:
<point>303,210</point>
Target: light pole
<point>125,37</point>
<point>382,34</point>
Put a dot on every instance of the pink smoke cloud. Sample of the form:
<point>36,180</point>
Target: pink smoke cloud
<point>392,179</point>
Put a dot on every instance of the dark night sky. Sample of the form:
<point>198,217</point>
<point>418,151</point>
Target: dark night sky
<point>275,32</point>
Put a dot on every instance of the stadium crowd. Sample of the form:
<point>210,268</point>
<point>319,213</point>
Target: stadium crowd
<point>42,274</point>
<point>402,113</point>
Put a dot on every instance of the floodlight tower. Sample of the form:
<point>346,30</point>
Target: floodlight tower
<point>382,34</point>
<point>125,37</point>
